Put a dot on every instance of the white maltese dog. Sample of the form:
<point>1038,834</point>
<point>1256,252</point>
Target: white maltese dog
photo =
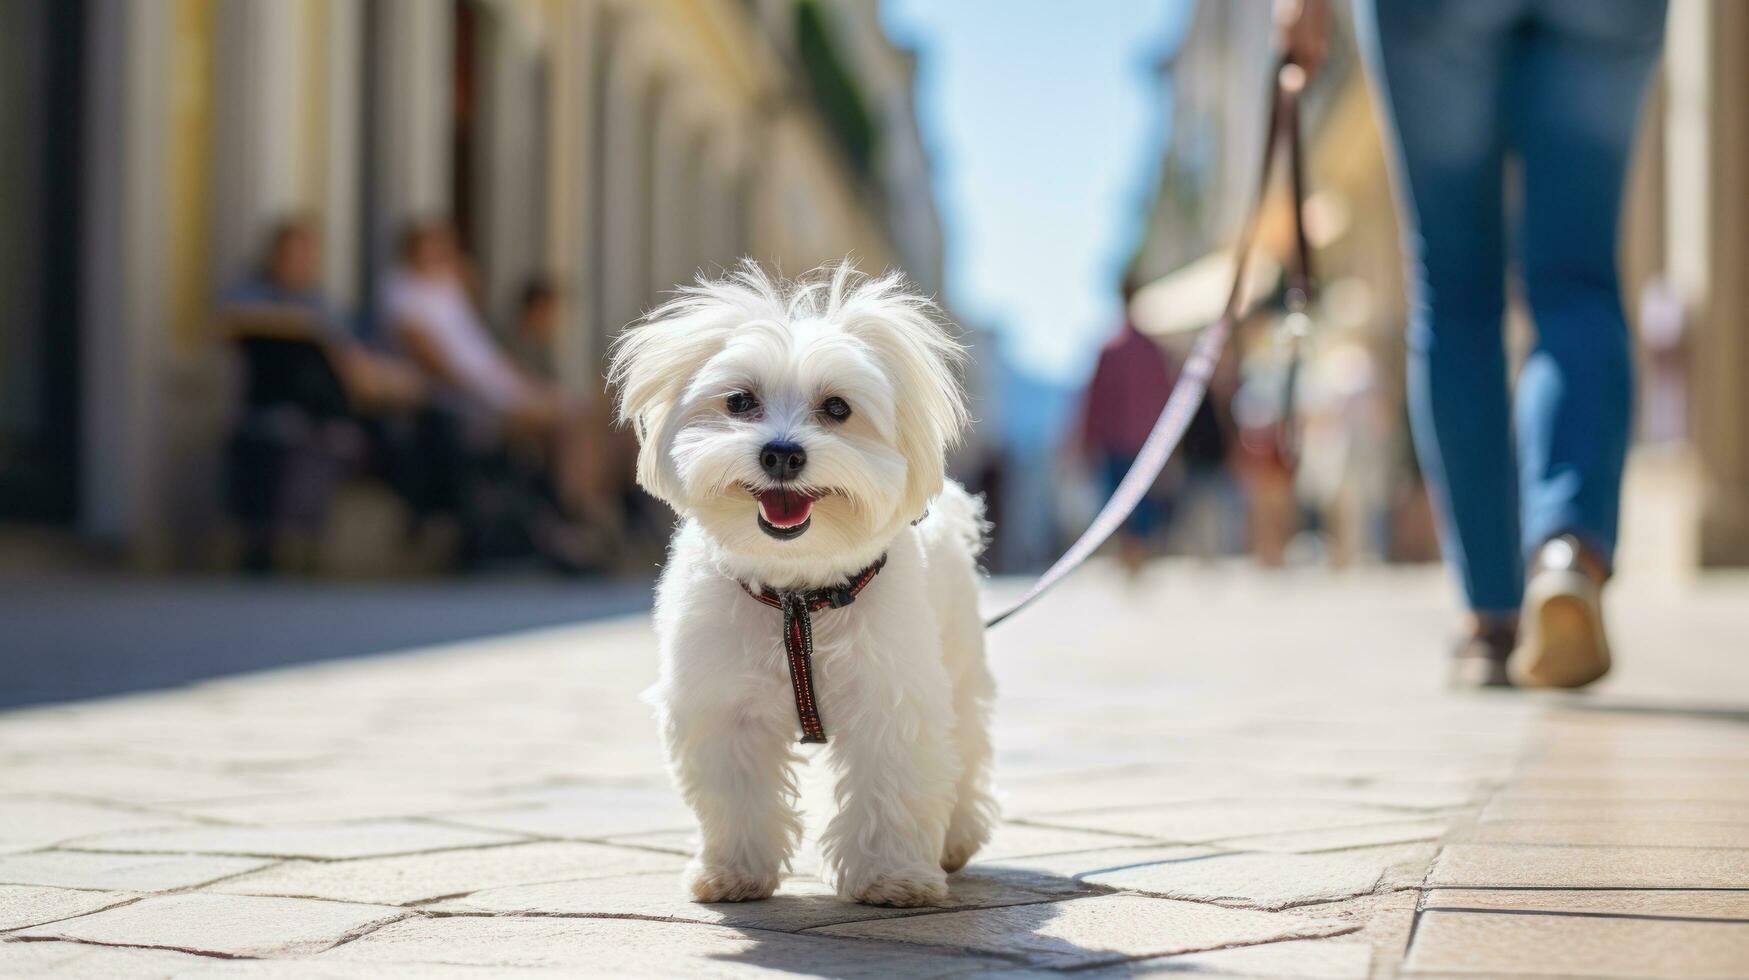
<point>822,582</point>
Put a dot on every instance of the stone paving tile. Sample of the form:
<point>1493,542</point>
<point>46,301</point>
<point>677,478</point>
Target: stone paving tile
<point>1055,800</point>
<point>1614,739</point>
<point>1202,823</point>
<point>85,961</point>
<point>1612,833</point>
<point>638,948</point>
<point>22,959</point>
<point>183,744</point>
<point>1633,788</point>
<point>1620,811</point>
<point>673,841</point>
<point>413,778</point>
<point>320,804</point>
<point>1045,798</point>
<point>134,784</point>
<point>30,905</point>
<point>233,925</point>
<point>1428,796</point>
<point>1497,943</point>
<point>1263,881</point>
<point>1728,767</point>
<point>1340,838</point>
<point>1312,959</point>
<point>29,823</point>
<point>1354,764</point>
<point>308,968</point>
<point>1718,904</point>
<point>801,902</point>
<point>1383,921</point>
<point>1013,840</point>
<point>585,814</point>
<point>1589,867</point>
<point>1092,931</point>
<point>440,772</point>
<point>412,878</point>
<point>1409,866</point>
<point>1009,840</point>
<point>328,841</point>
<point>120,872</point>
<point>1078,864</point>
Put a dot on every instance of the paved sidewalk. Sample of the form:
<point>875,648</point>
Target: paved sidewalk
<point>1215,772</point>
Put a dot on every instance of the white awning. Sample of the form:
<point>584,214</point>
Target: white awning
<point>1192,297</point>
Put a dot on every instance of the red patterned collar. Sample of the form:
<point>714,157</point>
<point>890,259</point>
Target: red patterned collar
<point>798,637</point>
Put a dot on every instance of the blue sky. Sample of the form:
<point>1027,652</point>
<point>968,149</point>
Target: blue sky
<point>1043,118</point>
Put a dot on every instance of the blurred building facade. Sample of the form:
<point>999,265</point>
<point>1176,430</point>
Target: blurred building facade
<point>1685,244</point>
<point>613,147</point>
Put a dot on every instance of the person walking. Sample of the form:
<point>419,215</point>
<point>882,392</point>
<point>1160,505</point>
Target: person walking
<point>1527,484</point>
<point>1127,392</point>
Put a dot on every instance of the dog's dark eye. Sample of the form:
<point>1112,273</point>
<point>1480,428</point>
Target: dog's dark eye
<point>836,409</point>
<point>741,403</point>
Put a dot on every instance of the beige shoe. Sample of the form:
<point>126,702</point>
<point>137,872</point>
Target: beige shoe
<point>1562,638</point>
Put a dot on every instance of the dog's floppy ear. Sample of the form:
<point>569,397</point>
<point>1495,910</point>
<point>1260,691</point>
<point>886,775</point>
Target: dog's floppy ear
<point>654,360</point>
<point>912,338</point>
<point>651,364</point>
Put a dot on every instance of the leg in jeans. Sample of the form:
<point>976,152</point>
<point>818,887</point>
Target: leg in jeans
<point>1440,68</point>
<point>1580,83</point>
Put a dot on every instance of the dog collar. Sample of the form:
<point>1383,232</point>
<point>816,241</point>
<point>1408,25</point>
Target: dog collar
<point>798,637</point>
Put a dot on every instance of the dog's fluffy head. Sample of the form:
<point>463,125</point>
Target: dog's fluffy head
<point>853,376</point>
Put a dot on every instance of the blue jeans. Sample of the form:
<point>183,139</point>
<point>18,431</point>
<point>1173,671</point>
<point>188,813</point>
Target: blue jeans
<point>1149,513</point>
<point>1557,85</point>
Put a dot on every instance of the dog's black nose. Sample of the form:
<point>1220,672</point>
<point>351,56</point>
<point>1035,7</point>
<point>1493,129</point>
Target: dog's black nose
<point>782,460</point>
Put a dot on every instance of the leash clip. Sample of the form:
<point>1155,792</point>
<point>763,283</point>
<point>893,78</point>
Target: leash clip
<point>840,597</point>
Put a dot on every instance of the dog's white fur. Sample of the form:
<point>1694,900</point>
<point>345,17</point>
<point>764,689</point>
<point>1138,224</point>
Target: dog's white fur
<point>902,684</point>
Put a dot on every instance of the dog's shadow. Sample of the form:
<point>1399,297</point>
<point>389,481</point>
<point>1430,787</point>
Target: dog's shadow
<point>805,929</point>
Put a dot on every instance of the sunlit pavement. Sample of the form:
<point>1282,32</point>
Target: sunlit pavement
<point>1214,770</point>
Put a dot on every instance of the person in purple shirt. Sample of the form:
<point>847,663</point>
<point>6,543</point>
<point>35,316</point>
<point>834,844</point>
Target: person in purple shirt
<point>1124,398</point>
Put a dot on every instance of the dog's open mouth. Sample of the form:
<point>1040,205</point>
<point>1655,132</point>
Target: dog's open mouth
<point>783,512</point>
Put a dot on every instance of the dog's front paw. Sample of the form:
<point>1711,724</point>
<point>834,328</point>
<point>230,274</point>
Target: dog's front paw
<point>957,852</point>
<point>715,883</point>
<point>903,891</point>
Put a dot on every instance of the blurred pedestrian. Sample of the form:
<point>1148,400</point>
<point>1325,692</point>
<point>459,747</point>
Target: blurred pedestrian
<point>537,328</point>
<point>281,296</point>
<point>1272,511</point>
<point>602,476</point>
<point>311,395</point>
<point>519,433</point>
<point>1124,398</point>
<point>1555,85</point>
<point>1208,506</point>
<point>434,319</point>
<point>285,280</point>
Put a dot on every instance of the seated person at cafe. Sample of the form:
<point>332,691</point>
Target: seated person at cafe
<point>549,436</point>
<point>282,298</point>
<point>313,397</point>
<point>434,320</point>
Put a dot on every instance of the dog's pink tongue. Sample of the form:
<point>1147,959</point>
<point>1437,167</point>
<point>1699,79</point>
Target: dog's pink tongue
<point>784,508</point>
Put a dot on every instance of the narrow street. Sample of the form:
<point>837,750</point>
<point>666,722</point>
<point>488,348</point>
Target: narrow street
<point>1213,771</point>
